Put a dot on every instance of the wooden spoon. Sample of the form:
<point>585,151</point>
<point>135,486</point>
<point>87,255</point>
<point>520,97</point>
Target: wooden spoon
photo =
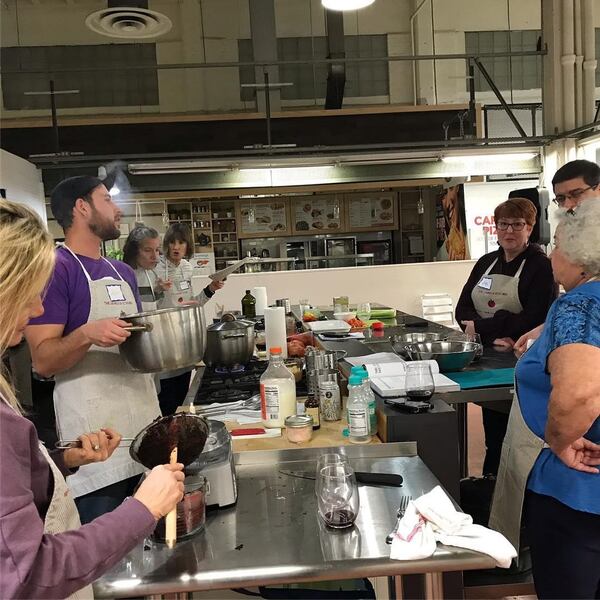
<point>171,518</point>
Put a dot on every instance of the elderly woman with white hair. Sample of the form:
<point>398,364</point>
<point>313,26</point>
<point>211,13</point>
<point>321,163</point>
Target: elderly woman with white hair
<point>551,452</point>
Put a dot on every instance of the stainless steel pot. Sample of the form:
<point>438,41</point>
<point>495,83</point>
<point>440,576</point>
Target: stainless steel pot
<point>165,340</point>
<point>230,342</point>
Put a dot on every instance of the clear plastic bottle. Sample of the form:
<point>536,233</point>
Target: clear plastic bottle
<point>277,391</point>
<point>370,395</point>
<point>358,411</point>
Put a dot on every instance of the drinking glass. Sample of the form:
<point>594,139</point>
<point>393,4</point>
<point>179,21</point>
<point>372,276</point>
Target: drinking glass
<point>476,338</point>
<point>363,311</point>
<point>331,458</point>
<point>419,381</point>
<point>338,500</point>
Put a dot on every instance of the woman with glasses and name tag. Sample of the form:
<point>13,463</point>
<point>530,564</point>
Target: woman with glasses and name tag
<point>175,267</point>
<point>508,293</point>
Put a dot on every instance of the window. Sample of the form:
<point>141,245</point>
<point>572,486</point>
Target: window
<point>310,81</point>
<point>515,72</point>
<point>118,87</point>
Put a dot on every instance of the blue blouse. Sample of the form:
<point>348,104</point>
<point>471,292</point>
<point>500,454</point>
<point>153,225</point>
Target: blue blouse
<point>573,318</point>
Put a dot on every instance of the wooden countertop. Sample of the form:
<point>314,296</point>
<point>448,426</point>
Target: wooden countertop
<point>330,434</point>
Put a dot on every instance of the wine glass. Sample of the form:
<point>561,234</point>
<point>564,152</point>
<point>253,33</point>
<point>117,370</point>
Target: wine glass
<point>338,500</point>
<point>330,458</point>
<point>476,338</point>
<point>419,381</point>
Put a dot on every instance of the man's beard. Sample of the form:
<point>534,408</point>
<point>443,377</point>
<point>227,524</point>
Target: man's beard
<point>104,229</point>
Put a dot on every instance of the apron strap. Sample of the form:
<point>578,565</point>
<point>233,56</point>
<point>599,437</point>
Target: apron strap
<point>150,284</point>
<point>87,275</point>
<point>113,268</point>
<point>490,268</point>
<point>520,269</point>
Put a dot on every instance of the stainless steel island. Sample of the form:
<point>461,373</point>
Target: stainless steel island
<point>274,535</point>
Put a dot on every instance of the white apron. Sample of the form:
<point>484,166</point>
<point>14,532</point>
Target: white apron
<point>181,291</point>
<point>62,514</point>
<point>102,391</point>
<point>520,450</point>
<point>146,289</point>
<point>497,292</point>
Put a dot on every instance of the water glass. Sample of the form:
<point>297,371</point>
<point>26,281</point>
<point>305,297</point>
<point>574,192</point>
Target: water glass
<point>476,338</point>
<point>363,311</point>
<point>419,381</point>
<point>337,498</point>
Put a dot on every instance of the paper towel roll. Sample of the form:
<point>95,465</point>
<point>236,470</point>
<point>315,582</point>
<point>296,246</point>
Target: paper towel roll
<point>275,334</point>
<point>260,293</point>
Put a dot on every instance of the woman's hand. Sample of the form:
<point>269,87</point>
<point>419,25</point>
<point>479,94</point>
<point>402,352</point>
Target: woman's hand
<point>96,446</point>
<point>504,343</point>
<point>469,327</point>
<point>521,343</point>
<point>213,286</point>
<point>162,489</point>
<point>581,455</point>
<point>164,285</point>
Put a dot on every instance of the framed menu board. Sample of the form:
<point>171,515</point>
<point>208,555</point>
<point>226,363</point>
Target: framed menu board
<point>266,218</point>
<point>317,214</point>
<point>372,211</point>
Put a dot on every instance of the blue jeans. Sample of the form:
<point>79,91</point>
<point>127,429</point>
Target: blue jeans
<point>105,499</point>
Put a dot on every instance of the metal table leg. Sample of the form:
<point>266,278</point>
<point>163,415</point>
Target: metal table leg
<point>434,586</point>
<point>463,437</point>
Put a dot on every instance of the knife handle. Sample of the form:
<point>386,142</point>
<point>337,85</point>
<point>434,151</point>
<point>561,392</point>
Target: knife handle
<point>392,479</point>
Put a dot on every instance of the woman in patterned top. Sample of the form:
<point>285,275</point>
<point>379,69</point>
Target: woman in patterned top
<point>551,451</point>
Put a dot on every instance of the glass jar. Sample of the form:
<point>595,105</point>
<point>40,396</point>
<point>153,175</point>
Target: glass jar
<point>299,428</point>
<point>191,510</point>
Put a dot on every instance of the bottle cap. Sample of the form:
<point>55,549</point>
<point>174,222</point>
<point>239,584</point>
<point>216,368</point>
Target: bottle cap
<point>355,379</point>
<point>356,369</point>
<point>247,291</point>
<point>377,326</point>
<point>275,350</point>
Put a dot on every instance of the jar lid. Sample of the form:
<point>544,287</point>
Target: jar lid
<point>294,421</point>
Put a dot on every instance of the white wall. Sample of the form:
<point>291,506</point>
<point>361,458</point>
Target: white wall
<point>398,286</point>
<point>22,181</point>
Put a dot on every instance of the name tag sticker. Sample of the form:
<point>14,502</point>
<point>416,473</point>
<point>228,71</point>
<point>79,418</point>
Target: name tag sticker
<point>184,284</point>
<point>485,283</point>
<point>115,293</point>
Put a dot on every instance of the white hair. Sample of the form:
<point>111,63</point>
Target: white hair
<point>579,235</point>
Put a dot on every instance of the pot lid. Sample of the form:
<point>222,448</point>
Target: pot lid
<point>230,323</point>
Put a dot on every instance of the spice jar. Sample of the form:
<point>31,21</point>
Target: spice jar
<point>299,428</point>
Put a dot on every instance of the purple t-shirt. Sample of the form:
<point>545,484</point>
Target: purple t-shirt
<point>67,300</point>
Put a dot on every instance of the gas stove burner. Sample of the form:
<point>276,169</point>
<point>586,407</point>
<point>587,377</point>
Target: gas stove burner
<point>229,395</point>
<point>234,370</point>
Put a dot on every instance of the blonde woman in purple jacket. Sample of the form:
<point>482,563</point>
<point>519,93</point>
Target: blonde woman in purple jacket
<point>44,550</point>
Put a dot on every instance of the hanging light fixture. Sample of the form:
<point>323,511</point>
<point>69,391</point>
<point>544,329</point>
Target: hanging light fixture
<point>343,5</point>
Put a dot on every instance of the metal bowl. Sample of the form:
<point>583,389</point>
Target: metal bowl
<point>450,356</point>
<point>400,342</point>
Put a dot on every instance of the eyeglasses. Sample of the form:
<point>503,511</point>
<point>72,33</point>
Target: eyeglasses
<point>504,225</point>
<point>572,195</point>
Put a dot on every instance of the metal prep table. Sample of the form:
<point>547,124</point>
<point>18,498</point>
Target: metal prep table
<point>274,535</point>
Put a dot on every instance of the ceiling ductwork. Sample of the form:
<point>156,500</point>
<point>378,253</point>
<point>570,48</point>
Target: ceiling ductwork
<point>128,19</point>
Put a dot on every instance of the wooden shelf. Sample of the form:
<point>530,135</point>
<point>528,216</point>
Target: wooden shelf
<point>180,220</point>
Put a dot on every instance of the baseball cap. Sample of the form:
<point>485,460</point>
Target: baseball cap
<point>65,194</point>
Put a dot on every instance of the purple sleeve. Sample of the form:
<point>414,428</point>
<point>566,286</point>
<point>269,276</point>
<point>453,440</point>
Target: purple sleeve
<point>56,299</point>
<point>38,565</point>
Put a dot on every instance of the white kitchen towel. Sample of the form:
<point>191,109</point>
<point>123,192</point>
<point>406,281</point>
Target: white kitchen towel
<point>433,516</point>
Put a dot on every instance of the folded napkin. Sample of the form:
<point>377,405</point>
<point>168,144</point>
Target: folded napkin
<point>432,518</point>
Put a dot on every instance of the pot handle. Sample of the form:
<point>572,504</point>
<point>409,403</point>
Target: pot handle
<point>143,327</point>
<point>234,335</point>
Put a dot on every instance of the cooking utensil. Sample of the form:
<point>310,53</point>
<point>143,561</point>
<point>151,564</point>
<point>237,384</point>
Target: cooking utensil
<point>171,518</point>
<point>388,479</point>
<point>229,342</point>
<point>152,446</point>
<point>404,501</point>
<point>450,356</point>
<point>66,444</point>
<point>164,340</point>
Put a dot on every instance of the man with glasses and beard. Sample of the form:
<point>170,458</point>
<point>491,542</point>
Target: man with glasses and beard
<point>575,182</point>
<point>76,340</point>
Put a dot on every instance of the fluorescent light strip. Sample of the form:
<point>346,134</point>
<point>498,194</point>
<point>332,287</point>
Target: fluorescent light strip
<point>462,158</point>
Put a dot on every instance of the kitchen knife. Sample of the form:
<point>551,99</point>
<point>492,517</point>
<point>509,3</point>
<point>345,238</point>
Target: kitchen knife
<point>389,479</point>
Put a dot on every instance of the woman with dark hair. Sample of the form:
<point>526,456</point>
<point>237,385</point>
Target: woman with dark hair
<point>174,265</point>
<point>178,247</point>
<point>142,252</point>
<point>508,293</point>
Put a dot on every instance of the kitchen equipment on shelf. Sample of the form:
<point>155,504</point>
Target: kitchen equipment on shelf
<point>165,340</point>
<point>216,464</point>
<point>229,342</point>
<point>152,446</point>
<point>450,355</point>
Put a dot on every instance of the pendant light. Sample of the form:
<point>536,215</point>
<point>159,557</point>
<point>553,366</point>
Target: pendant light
<point>343,5</point>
